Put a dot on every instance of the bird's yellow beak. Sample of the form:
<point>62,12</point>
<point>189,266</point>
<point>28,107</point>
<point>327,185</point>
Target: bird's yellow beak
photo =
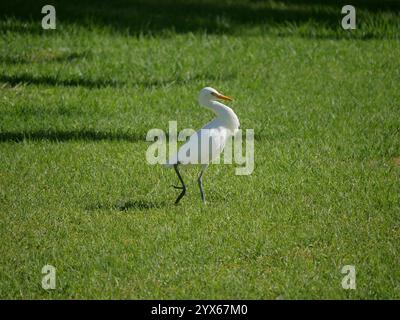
<point>221,96</point>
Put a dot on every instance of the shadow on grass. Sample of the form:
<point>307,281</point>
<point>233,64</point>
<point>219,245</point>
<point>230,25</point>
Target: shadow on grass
<point>84,135</point>
<point>151,17</point>
<point>126,205</point>
<point>45,56</point>
<point>53,80</point>
<point>68,135</point>
<point>21,79</point>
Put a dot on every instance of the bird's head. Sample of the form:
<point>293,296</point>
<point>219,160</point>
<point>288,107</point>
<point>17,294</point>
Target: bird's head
<point>208,94</point>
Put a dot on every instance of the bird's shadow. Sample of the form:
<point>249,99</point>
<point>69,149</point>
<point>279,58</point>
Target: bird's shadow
<point>126,205</point>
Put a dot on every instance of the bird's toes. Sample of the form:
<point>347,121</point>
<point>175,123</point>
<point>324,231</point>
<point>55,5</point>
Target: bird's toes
<point>177,187</point>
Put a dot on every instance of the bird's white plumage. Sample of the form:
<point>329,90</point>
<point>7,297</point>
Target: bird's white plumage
<point>207,143</point>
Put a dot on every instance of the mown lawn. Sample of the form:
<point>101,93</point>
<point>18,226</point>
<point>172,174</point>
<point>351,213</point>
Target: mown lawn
<point>77,193</point>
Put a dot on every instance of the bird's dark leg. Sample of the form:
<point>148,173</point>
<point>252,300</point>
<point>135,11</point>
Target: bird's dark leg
<point>200,180</point>
<point>183,187</point>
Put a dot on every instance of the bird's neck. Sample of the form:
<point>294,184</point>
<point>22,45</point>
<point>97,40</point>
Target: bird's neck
<point>224,113</point>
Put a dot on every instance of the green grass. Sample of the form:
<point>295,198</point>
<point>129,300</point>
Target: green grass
<point>76,192</point>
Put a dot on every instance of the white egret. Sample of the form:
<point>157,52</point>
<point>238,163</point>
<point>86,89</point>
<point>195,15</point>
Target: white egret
<point>208,142</point>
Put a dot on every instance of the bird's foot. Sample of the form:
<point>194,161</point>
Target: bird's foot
<point>181,195</point>
<point>177,187</point>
